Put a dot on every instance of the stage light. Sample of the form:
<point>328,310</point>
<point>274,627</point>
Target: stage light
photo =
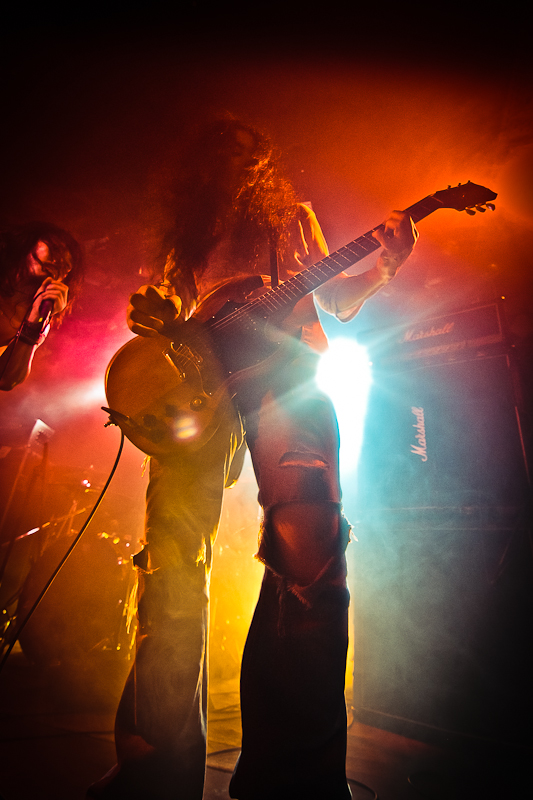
<point>344,373</point>
<point>92,393</point>
<point>84,394</point>
<point>69,398</point>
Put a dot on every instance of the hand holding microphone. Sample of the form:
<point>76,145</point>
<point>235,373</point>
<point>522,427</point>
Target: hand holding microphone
<point>51,298</point>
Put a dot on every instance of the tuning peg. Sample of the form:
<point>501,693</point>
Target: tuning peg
<point>491,206</point>
<point>470,211</point>
<point>482,209</point>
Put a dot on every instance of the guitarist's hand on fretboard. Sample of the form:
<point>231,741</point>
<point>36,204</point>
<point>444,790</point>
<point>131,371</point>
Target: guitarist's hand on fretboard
<point>398,236</point>
<point>150,311</point>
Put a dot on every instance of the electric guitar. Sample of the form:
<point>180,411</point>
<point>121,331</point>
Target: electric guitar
<point>176,390</point>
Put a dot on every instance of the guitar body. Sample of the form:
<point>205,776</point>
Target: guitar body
<point>159,406</point>
<point>175,391</point>
<point>166,395</point>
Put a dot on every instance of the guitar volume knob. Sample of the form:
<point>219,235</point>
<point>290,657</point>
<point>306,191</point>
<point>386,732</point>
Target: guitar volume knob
<point>197,402</point>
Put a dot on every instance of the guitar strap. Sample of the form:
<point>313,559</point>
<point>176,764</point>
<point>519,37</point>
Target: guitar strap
<point>274,275</point>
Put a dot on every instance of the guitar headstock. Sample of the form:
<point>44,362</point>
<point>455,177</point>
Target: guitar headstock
<point>467,197</point>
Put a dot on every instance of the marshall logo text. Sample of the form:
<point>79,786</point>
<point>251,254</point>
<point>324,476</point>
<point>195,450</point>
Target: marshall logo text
<point>412,335</point>
<point>420,448</point>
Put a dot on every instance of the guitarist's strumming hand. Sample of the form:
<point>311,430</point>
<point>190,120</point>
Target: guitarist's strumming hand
<point>150,311</point>
<point>398,236</point>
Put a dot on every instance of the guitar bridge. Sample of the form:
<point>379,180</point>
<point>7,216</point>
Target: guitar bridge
<point>183,352</point>
<point>181,358</point>
<point>179,372</point>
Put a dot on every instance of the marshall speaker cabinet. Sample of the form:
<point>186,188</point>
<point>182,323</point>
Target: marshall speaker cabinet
<point>441,572</point>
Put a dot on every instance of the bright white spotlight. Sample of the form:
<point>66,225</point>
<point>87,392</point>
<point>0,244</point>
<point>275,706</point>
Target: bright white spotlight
<point>71,398</point>
<point>84,394</point>
<point>344,374</point>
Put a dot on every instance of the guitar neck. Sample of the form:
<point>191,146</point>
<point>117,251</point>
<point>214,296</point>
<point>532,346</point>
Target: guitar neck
<point>287,294</point>
<point>464,197</point>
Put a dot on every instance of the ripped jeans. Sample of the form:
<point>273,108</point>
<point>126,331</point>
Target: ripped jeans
<point>293,670</point>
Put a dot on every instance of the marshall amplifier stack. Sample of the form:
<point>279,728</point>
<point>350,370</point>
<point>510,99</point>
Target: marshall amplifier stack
<point>441,573</point>
<point>466,334</point>
<point>443,434</point>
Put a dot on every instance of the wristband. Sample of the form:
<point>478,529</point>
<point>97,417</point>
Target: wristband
<point>31,333</point>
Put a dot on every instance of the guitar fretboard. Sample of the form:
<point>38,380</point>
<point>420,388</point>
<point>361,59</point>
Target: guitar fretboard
<point>286,294</point>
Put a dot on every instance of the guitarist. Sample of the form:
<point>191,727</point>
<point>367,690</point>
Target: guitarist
<point>235,216</point>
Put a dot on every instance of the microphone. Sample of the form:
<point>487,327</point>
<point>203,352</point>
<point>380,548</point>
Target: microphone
<point>45,312</point>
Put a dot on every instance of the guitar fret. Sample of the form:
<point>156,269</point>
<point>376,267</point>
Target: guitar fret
<point>310,278</point>
<point>423,208</point>
<point>274,301</point>
<point>356,250</point>
<point>304,277</point>
<point>340,257</point>
<point>322,272</point>
<point>291,291</point>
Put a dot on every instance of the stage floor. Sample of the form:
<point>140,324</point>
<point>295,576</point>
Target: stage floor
<point>54,744</point>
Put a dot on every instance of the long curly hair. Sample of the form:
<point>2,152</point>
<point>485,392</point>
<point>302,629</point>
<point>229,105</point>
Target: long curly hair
<point>17,242</point>
<point>262,207</point>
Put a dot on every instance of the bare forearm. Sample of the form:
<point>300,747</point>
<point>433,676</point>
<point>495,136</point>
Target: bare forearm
<point>355,289</point>
<point>15,364</point>
<point>344,295</point>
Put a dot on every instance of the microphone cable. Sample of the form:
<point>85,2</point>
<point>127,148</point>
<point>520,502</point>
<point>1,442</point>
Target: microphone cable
<point>67,554</point>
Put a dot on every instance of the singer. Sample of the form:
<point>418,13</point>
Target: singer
<point>41,271</point>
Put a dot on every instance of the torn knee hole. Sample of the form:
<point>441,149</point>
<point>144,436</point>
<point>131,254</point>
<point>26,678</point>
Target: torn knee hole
<point>298,459</point>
